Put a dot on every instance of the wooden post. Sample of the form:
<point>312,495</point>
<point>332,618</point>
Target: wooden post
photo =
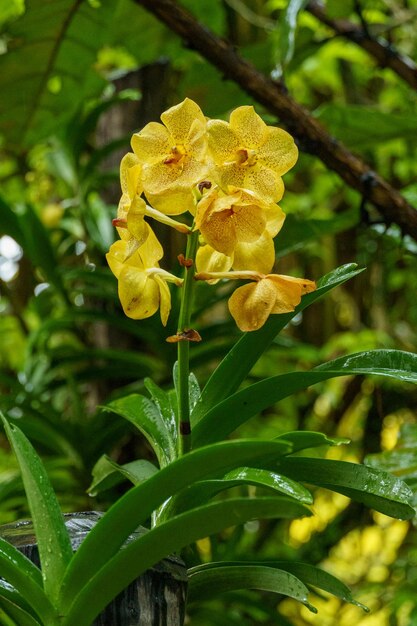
<point>157,598</point>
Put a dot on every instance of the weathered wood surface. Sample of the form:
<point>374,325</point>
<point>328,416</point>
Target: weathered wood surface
<point>157,598</point>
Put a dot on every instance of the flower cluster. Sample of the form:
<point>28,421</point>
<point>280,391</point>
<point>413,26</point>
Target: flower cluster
<point>228,177</point>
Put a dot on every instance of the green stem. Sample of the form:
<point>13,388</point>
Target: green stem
<point>184,441</point>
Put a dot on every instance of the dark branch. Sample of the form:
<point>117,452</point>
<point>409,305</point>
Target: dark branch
<point>382,51</point>
<point>311,136</point>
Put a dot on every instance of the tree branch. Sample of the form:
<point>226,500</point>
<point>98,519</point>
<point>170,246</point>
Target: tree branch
<point>382,51</point>
<point>311,136</point>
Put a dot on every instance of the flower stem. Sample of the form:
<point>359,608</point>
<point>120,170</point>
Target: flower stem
<point>184,441</point>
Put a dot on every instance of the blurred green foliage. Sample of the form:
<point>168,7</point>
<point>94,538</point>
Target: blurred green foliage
<point>76,80</point>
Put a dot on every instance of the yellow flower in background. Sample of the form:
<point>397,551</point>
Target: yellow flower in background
<point>173,156</point>
<point>142,283</point>
<point>239,226</point>
<point>252,304</point>
<point>249,154</point>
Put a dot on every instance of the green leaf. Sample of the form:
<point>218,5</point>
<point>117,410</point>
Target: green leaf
<point>297,231</point>
<point>38,247</point>
<point>194,391</point>
<point>166,407</point>
<point>8,592</point>
<point>360,126</point>
<point>285,34</point>
<point>136,506</point>
<point>311,575</point>
<point>48,70</point>
<point>378,490</point>
<point>26,578</point>
<point>206,583</point>
<point>201,492</point>
<point>162,540</point>
<point>303,439</point>
<point>54,545</point>
<point>143,414</point>
<point>9,223</point>
<point>272,480</point>
<point>226,416</point>
<point>308,574</point>
<point>19,615</point>
<point>237,364</point>
<point>107,473</point>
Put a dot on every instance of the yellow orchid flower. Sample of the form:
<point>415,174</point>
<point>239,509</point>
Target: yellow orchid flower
<point>239,226</point>
<point>142,283</point>
<point>130,221</point>
<point>173,157</point>
<point>252,304</point>
<point>250,154</point>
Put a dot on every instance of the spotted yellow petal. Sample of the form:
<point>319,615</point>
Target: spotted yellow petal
<point>251,304</point>
<point>275,218</point>
<point>138,293</point>
<point>289,291</point>
<point>164,299</point>
<point>130,172</point>
<point>279,151</point>
<point>218,229</point>
<point>151,250</point>
<point>223,142</point>
<point>197,140</point>
<point>152,143</point>
<point>264,181</point>
<point>116,256</point>
<point>179,118</point>
<point>249,127</point>
<point>172,201</point>
<point>210,260</point>
<point>135,219</point>
<point>258,256</point>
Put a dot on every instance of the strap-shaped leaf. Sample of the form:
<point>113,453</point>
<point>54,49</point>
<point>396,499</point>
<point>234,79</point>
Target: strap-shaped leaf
<point>304,439</point>
<point>167,410</point>
<point>135,507</point>
<point>226,416</point>
<point>26,578</point>
<point>316,577</point>
<point>54,545</point>
<point>203,491</point>
<point>378,490</point>
<point>308,574</point>
<point>162,540</point>
<point>237,364</point>
<point>107,473</point>
<point>19,616</point>
<point>206,583</point>
<point>147,418</point>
